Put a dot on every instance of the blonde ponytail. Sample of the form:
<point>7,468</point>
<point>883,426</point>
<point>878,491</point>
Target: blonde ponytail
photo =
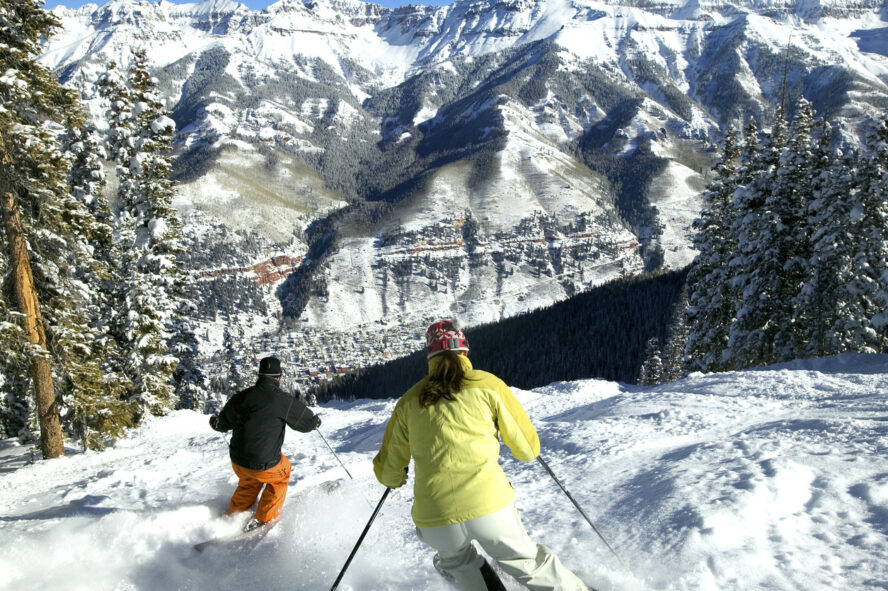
<point>445,381</point>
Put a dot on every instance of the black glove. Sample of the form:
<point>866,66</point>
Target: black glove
<point>317,421</point>
<point>214,422</point>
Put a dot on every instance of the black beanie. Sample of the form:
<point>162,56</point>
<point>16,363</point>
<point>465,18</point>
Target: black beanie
<point>270,366</point>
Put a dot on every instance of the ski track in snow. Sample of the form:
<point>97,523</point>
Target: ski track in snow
<point>774,479</point>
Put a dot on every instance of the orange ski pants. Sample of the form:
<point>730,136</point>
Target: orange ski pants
<point>251,482</point>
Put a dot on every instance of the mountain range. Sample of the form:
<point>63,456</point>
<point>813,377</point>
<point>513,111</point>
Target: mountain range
<point>476,160</point>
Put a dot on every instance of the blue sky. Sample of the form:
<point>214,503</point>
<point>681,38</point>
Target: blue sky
<point>254,4</point>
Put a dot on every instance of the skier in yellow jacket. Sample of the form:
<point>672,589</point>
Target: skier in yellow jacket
<point>449,423</point>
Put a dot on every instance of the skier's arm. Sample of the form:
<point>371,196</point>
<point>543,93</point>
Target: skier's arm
<point>390,464</point>
<point>300,417</point>
<point>227,419</point>
<point>514,425</point>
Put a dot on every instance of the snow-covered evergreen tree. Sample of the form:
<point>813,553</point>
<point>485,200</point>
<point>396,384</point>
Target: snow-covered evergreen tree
<point>652,367</point>
<point>92,391</point>
<point>87,181</point>
<point>756,265</point>
<point>92,380</point>
<point>821,302</point>
<point>868,290</point>
<point>150,299</point>
<point>88,185</point>
<point>674,352</point>
<point>788,202</point>
<point>118,148</point>
<point>52,171</point>
<point>711,300</point>
<point>43,223</point>
<point>811,232</point>
<point>311,398</point>
<point>119,144</point>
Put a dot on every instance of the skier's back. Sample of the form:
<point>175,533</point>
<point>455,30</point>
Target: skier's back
<point>449,423</point>
<point>258,416</point>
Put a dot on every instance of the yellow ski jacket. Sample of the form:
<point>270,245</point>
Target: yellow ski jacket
<point>455,448</point>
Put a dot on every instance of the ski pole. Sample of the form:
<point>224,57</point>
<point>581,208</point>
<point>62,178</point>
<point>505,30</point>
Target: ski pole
<point>334,454</point>
<point>361,539</point>
<point>580,509</point>
<point>369,502</point>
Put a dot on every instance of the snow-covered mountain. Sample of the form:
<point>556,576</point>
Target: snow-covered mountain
<point>504,153</point>
<point>775,478</point>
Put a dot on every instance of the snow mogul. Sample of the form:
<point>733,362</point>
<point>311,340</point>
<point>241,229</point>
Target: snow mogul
<point>258,416</point>
<point>449,423</point>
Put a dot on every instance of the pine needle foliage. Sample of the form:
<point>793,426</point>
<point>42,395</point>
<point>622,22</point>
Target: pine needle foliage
<point>151,321</point>
<point>711,298</point>
<point>34,109</point>
<point>62,231</point>
<point>652,368</point>
<point>808,227</point>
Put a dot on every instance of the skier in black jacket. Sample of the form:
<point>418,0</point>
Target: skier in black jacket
<point>258,416</point>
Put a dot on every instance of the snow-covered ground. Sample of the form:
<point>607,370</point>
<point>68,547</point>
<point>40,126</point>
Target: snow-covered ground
<point>769,479</point>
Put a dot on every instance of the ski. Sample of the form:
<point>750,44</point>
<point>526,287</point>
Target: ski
<point>262,530</point>
<point>257,532</point>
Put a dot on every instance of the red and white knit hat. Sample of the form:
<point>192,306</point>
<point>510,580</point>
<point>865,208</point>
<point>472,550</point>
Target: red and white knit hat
<point>444,336</point>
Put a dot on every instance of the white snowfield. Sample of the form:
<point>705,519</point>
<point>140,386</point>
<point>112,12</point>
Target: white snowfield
<point>769,479</point>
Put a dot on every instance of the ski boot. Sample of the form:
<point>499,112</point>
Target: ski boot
<point>252,524</point>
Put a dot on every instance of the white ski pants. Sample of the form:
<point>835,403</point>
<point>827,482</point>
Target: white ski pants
<point>503,537</point>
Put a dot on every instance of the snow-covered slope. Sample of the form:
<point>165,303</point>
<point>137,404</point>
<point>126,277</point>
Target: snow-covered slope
<point>774,478</point>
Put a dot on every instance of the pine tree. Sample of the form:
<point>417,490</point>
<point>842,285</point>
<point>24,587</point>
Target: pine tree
<point>150,297</point>
<point>311,398</point>
<point>788,201</point>
<point>118,148</point>
<point>820,303</point>
<point>711,300</point>
<point>33,185</point>
<point>58,178</point>
<point>674,362</point>
<point>92,392</point>
<point>810,227</point>
<point>88,185</point>
<point>87,182</point>
<point>757,264</point>
<point>868,290</point>
<point>119,145</point>
<point>93,384</point>
<point>652,368</point>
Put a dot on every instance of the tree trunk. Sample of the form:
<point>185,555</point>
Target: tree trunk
<point>20,262</point>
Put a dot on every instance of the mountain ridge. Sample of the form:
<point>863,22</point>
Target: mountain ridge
<point>331,129</point>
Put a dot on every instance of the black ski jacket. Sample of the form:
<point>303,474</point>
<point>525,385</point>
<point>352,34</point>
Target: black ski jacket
<point>258,415</point>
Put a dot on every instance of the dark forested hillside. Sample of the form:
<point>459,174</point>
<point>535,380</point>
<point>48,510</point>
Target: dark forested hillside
<point>597,334</point>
